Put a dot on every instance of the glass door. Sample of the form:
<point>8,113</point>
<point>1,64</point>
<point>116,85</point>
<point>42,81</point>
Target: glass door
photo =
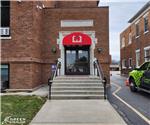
<point>77,61</point>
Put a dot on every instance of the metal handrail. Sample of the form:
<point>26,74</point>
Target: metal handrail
<point>101,75</point>
<point>50,80</point>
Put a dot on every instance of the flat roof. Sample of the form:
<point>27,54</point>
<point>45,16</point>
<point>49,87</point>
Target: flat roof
<point>139,12</point>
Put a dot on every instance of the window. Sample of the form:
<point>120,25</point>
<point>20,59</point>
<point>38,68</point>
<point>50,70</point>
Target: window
<point>144,66</point>
<point>137,29</point>
<point>145,23</point>
<point>123,42</point>
<point>147,53</point>
<point>130,62</point>
<point>123,63</point>
<point>4,76</point>
<point>130,38</point>
<point>5,18</point>
<point>137,58</point>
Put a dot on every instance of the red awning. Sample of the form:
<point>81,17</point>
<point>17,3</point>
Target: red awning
<point>77,38</point>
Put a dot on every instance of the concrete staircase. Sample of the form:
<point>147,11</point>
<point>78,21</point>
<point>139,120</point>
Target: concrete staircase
<point>77,87</point>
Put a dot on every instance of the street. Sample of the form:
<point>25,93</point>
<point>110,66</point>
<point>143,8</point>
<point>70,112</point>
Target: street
<point>133,107</point>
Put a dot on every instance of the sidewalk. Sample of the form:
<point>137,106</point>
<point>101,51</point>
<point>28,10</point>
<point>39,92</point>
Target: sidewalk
<point>77,112</point>
<point>42,91</point>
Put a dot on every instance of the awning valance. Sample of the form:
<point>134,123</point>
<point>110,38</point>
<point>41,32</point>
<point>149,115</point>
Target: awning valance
<point>77,38</point>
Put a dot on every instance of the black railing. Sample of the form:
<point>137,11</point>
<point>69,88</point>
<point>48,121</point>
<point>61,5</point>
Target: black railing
<point>55,73</point>
<point>99,72</point>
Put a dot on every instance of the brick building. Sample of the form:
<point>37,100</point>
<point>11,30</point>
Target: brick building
<point>36,34</point>
<point>135,40</point>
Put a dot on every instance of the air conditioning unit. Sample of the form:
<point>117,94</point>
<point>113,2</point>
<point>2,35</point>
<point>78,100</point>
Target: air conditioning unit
<point>4,31</point>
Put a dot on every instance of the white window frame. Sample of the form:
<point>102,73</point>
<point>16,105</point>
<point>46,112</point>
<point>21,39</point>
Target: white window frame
<point>137,63</point>
<point>124,64</point>
<point>146,16</point>
<point>137,23</point>
<point>130,63</point>
<point>145,49</point>
<point>123,42</point>
<point>130,38</point>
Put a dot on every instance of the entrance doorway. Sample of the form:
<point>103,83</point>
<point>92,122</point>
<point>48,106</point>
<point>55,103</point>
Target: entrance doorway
<point>77,60</point>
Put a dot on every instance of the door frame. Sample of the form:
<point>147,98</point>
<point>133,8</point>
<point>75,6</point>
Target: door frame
<point>61,35</point>
<point>77,48</point>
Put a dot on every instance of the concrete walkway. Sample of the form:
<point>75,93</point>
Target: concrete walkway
<point>42,91</point>
<point>77,112</point>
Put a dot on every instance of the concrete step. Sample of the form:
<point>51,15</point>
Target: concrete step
<point>77,77</point>
<point>77,81</point>
<point>77,88</point>
<point>77,92</point>
<point>78,84</point>
<point>80,96</point>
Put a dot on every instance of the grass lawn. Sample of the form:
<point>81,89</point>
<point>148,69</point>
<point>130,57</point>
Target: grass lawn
<point>20,107</point>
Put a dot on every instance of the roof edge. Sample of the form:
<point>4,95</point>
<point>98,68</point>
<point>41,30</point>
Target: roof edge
<point>139,12</point>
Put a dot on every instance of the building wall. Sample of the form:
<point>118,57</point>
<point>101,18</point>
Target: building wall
<point>52,28</point>
<point>77,4</point>
<point>129,51</point>
<point>34,32</point>
<point>24,48</point>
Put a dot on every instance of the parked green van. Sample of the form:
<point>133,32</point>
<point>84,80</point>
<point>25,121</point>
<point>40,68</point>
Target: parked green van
<point>139,78</point>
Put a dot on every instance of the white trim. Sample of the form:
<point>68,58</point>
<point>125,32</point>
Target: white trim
<point>137,24</point>
<point>146,32</point>
<point>62,34</point>
<point>147,48</point>
<point>137,36</point>
<point>130,38</point>
<point>5,38</point>
<point>146,14</point>
<point>123,42</point>
<point>138,50</point>
<point>130,65</point>
<point>124,63</point>
<point>146,17</point>
<point>137,63</point>
<point>77,23</point>
<point>135,20</point>
<point>4,66</point>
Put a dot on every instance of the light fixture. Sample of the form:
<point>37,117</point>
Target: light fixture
<point>43,6</point>
<point>19,1</point>
<point>38,7</point>
<point>99,50</point>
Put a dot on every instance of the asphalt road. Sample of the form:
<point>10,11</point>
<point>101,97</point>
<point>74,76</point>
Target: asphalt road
<point>133,107</point>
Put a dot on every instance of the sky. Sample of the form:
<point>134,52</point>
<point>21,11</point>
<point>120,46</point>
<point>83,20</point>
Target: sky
<point>120,11</point>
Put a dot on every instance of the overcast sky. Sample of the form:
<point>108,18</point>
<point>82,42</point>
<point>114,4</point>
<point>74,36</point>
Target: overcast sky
<point>119,14</point>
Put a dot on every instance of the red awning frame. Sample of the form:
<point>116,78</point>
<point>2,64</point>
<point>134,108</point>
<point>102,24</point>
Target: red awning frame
<point>77,38</point>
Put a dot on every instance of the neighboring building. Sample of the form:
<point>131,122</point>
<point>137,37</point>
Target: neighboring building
<point>135,41</point>
<point>35,34</point>
<point>114,67</point>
